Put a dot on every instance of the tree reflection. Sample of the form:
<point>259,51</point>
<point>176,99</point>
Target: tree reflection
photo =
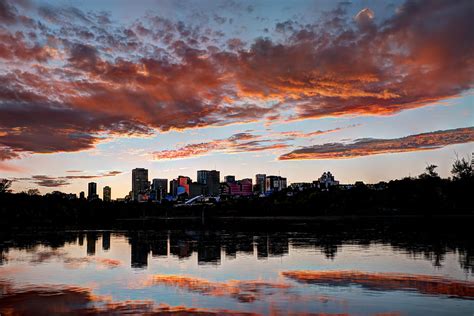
<point>431,242</point>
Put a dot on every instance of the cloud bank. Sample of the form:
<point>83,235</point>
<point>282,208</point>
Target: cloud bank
<point>72,78</point>
<point>54,182</point>
<point>240,143</point>
<point>373,146</point>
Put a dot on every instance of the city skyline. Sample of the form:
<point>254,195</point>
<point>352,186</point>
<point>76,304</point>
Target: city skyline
<point>368,90</point>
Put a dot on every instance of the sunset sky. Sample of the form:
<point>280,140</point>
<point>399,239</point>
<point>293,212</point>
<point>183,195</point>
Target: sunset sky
<point>370,90</point>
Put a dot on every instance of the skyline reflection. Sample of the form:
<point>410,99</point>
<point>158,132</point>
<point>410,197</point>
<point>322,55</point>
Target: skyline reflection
<point>332,268</point>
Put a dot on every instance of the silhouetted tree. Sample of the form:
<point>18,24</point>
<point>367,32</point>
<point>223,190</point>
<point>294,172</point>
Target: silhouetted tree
<point>462,169</point>
<point>33,192</point>
<point>5,185</point>
<point>430,172</point>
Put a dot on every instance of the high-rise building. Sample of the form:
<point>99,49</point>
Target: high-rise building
<point>183,184</point>
<point>140,184</point>
<point>107,194</point>
<point>174,187</point>
<point>260,183</point>
<point>211,179</point>
<point>92,191</point>
<point>275,183</point>
<point>82,195</point>
<point>202,176</point>
<point>160,186</point>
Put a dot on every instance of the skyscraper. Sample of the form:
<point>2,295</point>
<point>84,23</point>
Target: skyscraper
<point>260,183</point>
<point>211,179</point>
<point>107,194</point>
<point>92,191</point>
<point>160,186</point>
<point>174,187</point>
<point>183,184</point>
<point>275,183</point>
<point>140,182</point>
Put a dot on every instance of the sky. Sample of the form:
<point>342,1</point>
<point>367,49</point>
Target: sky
<point>369,90</point>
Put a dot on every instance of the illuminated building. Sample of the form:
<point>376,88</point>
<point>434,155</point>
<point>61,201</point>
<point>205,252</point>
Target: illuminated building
<point>327,180</point>
<point>211,179</point>
<point>237,188</point>
<point>275,183</point>
<point>140,184</point>
<point>107,194</point>
<point>260,183</point>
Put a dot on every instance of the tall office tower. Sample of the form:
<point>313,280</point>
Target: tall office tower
<point>275,183</point>
<point>140,182</point>
<point>160,186</point>
<point>260,183</point>
<point>174,187</point>
<point>82,195</point>
<point>107,194</point>
<point>211,179</point>
<point>92,191</point>
<point>229,179</point>
<point>202,176</point>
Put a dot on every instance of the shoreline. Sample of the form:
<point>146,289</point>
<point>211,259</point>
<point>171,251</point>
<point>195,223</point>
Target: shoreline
<point>302,218</point>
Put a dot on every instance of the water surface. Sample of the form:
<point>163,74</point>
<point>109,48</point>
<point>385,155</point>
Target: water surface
<point>354,270</point>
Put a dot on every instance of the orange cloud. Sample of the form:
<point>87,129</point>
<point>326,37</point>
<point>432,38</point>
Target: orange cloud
<point>371,146</point>
<point>243,291</point>
<point>58,299</point>
<point>298,134</point>
<point>241,142</point>
<point>425,284</point>
<point>164,75</point>
<point>10,168</point>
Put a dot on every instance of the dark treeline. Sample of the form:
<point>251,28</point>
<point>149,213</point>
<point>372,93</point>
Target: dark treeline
<point>421,196</point>
<point>427,194</point>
